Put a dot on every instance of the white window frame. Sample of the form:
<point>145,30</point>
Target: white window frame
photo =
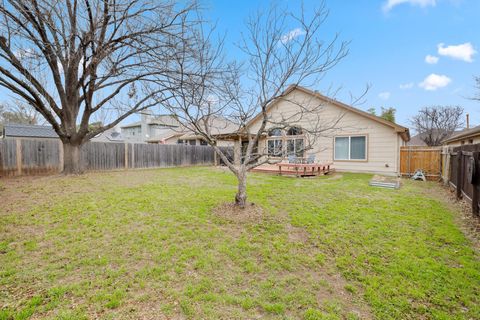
<point>349,147</point>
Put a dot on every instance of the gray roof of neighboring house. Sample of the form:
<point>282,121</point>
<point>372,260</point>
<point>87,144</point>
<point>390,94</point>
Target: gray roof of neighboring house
<point>164,120</point>
<point>133,124</point>
<point>464,134</point>
<point>167,134</point>
<point>28,131</point>
<point>416,140</point>
<point>109,135</point>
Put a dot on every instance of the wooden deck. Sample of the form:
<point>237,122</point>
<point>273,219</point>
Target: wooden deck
<point>299,170</point>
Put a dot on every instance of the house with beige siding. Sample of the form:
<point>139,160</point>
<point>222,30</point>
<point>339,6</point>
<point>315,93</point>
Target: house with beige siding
<point>467,136</point>
<point>352,139</point>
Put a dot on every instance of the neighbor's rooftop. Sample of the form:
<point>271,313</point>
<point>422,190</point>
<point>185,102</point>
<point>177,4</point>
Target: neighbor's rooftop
<point>465,134</point>
<point>28,131</point>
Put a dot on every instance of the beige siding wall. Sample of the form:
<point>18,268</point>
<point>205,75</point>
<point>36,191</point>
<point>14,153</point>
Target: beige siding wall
<point>383,142</point>
<point>466,141</point>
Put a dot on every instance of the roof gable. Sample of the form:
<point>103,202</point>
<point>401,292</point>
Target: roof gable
<point>403,131</point>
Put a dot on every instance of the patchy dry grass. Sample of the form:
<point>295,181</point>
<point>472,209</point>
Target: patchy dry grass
<point>160,244</point>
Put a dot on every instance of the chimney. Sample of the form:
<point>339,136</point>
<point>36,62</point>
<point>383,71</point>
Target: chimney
<point>468,121</point>
<point>146,117</point>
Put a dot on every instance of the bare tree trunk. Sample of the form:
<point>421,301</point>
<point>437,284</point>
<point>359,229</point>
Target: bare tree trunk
<point>241,196</point>
<point>71,158</point>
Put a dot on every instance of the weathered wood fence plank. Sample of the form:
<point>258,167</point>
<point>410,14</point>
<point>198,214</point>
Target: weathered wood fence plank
<point>45,156</point>
<point>428,159</point>
<point>465,174</point>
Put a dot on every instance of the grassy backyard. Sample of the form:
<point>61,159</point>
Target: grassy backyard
<point>156,244</point>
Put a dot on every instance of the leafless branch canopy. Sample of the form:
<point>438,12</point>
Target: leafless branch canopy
<point>435,124</point>
<point>72,59</point>
<point>275,57</point>
<point>18,113</point>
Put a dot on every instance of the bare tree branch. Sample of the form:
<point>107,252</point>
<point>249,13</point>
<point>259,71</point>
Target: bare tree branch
<point>211,95</point>
<point>70,59</point>
<point>437,123</point>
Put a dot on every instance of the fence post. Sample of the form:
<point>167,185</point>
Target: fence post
<point>446,166</point>
<point>133,156</point>
<point>409,160</point>
<point>18,145</point>
<point>126,155</point>
<point>60,155</point>
<point>475,186</point>
<point>459,182</point>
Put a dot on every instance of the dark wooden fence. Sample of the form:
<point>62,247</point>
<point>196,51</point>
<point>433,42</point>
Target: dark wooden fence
<point>427,159</point>
<point>464,174</point>
<point>45,156</point>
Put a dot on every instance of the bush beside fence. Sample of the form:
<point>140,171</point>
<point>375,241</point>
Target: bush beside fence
<point>45,156</point>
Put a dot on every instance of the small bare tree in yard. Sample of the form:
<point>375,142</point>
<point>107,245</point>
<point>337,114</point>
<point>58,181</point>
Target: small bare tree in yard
<point>74,59</point>
<point>224,99</point>
<point>437,123</point>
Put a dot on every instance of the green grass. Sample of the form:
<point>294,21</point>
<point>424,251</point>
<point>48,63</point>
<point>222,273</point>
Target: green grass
<point>146,244</point>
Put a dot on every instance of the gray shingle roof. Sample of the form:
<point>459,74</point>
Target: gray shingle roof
<point>109,135</point>
<point>464,134</point>
<point>29,131</point>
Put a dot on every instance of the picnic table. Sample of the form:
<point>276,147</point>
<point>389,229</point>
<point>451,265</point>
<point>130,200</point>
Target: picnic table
<point>304,169</point>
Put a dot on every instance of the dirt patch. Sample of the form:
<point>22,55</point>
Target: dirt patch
<point>386,179</point>
<point>337,290</point>
<point>296,234</point>
<point>335,176</point>
<point>233,213</point>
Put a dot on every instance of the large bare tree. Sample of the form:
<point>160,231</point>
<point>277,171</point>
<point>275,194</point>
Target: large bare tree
<point>74,59</point>
<point>280,52</point>
<point>436,123</point>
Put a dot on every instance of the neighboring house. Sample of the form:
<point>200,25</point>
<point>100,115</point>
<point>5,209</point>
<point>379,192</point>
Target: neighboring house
<point>159,129</point>
<point>360,141</point>
<point>47,132</point>
<point>27,131</point>
<point>416,140</point>
<point>166,129</point>
<point>437,134</point>
<point>109,135</point>
<point>467,136</point>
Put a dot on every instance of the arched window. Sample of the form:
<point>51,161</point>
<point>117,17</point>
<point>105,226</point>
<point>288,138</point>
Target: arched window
<point>275,132</point>
<point>294,131</point>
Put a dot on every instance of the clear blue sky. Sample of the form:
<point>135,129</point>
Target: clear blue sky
<point>388,49</point>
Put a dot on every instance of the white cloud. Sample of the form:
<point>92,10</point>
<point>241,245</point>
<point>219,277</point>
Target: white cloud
<point>463,51</point>
<point>431,59</point>
<point>384,95</point>
<point>405,86</point>
<point>297,32</point>
<point>434,82</point>
<point>390,4</point>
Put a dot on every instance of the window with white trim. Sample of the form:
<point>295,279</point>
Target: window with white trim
<point>275,143</point>
<point>350,148</point>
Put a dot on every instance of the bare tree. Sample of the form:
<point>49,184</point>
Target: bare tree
<point>18,112</point>
<point>476,97</point>
<point>71,60</point>
<point>437,123</point>
<point>225,99</point>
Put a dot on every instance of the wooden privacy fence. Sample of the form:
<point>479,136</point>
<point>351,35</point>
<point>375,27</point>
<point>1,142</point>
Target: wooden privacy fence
<point>45,156</point>
<point>464,174</point>
<point>427,159</point>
